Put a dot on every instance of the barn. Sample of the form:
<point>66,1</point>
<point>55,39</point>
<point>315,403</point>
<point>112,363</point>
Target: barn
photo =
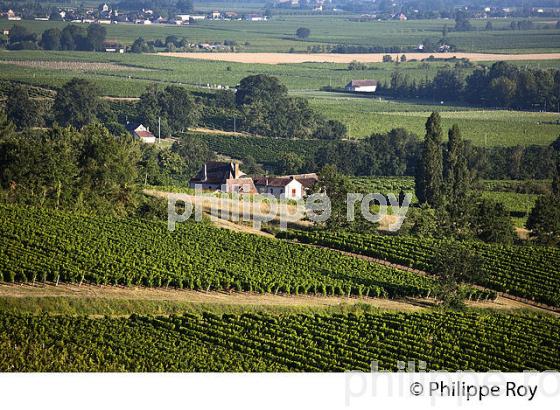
<point>361,86</point>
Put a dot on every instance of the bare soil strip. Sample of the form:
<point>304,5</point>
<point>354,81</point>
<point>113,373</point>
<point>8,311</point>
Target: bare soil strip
<point>184,295</point>
<point>292,58</point>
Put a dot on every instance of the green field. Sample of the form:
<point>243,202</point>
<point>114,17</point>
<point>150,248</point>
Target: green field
<point>278,35</point>
<point>128,75</point>
<point>297,77</point>
<point>364,117</point>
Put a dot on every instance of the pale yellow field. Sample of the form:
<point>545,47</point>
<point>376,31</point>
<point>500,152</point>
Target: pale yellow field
<point>292,58</point>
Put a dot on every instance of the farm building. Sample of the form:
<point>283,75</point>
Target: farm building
<point>361,86</point>
<point>223,176</point>
<point>142,133</point>
<point>286,187</point>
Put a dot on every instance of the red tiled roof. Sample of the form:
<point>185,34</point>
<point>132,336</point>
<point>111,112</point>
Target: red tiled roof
<point>144,134</point>
<point>362,83</point>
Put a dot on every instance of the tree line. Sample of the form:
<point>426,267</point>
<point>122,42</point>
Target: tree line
<point>397,153</point>
<point>501,85</point>
<point>70,38</point>
<point>443,183</point>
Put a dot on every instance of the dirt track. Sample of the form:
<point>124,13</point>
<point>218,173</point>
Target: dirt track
<point>292,58</point>
<point>191,296</point>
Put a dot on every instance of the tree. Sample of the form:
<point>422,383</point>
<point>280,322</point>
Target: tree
<point>544,220</point>
<point>75,38</point>
<point>289,163</point>
<point>455,264</point>
<point>109,169</point>
<point>251,167</point>
<point>172,110</point>
<point>20,34</point>
<point>456,176</point>
<point>185,6</point>
<point>76,103</point>
<point>503,90</point>
<point>260,87</point>
<point>429,175</point>
<point>21,109</point>
<point>96,34</point>
<point>179,108</point>
<point>492,222</point>
<point>302,33</point>
<point>461,22</point>
<point>140,46</point>
<point>336,186</point>
<point>50,39</point>
<point>194,153</point>
<point>331,130</point>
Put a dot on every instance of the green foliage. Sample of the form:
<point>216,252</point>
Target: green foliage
<point>302,33</point>
<point>544,220</point>
<point>50,39</point>
<point>77,103</point>
<point>106,250</point>
<point>526,271</point>
<point>259,342</point>
<point>456,174</point>
<point>141,46</point>
<point>492,222</point>
<point>336,186</point>
<point>23,111</point>
<point>429,172</point>
<point>67,169</point>
<point>193,152</point>
<point>172,109</point>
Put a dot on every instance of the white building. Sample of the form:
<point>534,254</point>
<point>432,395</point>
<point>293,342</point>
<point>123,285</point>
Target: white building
<point>144,134</point>
<point>280,187</point>
<point>361,86</point>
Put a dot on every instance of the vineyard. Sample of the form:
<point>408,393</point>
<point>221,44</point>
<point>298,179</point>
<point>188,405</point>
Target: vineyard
<point>40,245</point>
<point>258,342</point>
<point>488,128</point>
<point>526,271</point>
<point>263,150</point>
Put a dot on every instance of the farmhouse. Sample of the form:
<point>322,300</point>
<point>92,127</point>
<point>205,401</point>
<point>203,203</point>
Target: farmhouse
<point>286,187</point>
<point>143,134</point>
<point>223,176</point>
<point>361,86</point>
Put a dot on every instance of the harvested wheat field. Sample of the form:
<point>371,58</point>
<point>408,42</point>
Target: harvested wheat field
<point>289,58</point>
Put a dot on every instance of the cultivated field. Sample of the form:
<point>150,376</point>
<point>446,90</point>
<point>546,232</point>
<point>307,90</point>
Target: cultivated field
<point>289,58</point>
<point>278,34</point>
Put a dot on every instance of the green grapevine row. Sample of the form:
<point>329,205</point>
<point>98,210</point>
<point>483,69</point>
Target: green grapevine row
<point>39,245</point>
<point>527,271</point>
<point>291,342</point>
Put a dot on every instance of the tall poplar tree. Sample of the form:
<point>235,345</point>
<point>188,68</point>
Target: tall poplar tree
<point>429,173</point>
<point>456,174</point>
